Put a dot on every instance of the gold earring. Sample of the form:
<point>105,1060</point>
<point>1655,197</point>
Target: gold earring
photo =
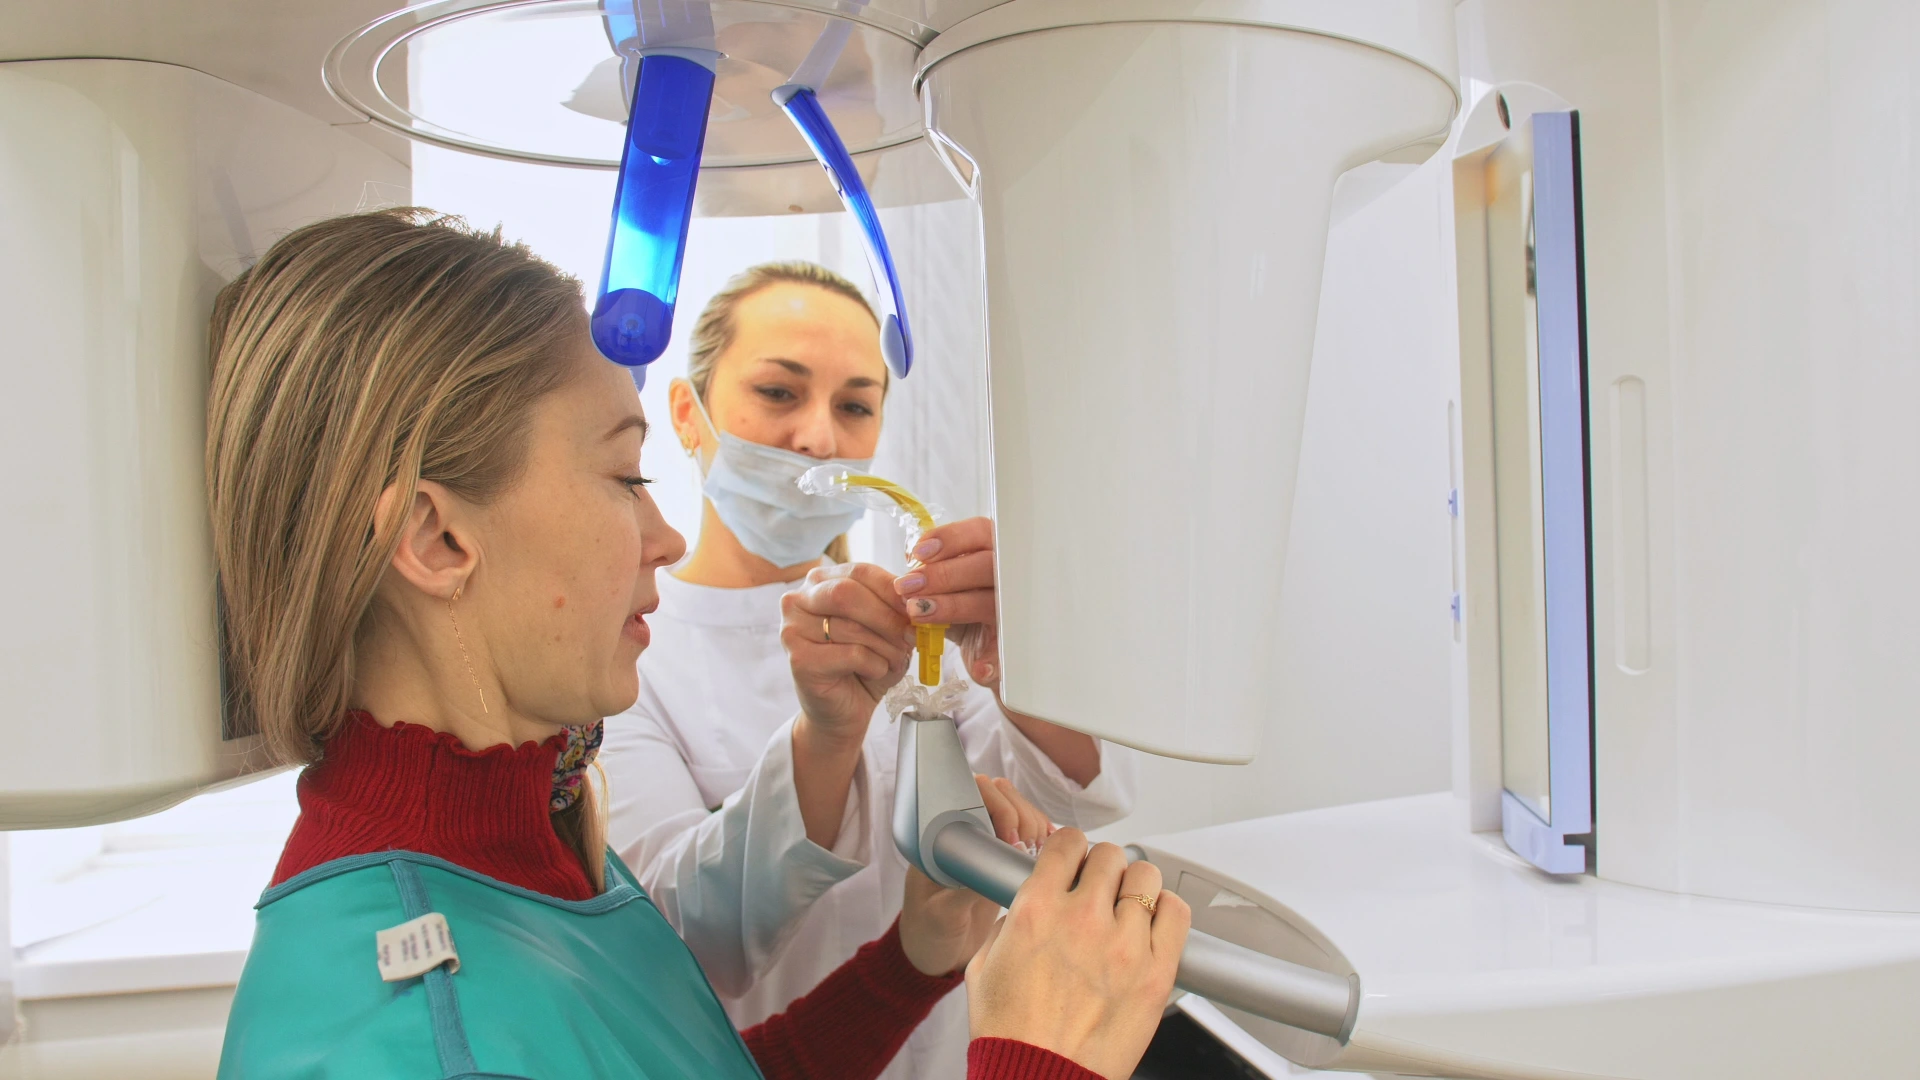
<point>464,655</point>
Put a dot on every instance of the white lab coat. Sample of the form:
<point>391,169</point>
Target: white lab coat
<point>704,811</point>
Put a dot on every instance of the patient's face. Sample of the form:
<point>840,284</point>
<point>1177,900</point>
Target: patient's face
<point>570,552</point>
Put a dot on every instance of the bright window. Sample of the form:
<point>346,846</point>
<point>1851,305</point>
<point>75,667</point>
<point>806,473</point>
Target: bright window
<point>159,902</point>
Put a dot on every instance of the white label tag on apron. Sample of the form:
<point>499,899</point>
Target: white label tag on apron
<point>416,947</point>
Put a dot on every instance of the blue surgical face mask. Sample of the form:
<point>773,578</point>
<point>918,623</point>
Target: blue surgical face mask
<point>753,489</point>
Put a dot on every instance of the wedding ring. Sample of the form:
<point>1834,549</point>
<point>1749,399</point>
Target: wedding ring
<point>1148,902</point>
<point>826,627</point>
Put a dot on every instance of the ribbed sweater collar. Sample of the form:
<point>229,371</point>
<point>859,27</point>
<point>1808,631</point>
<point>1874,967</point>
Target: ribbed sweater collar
<point>410,788</point>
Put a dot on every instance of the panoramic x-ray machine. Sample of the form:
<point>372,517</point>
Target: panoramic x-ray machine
<point>1678,842</point>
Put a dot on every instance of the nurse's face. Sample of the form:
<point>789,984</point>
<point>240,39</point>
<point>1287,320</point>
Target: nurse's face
<point>568,553</point>
<point>803,373</point>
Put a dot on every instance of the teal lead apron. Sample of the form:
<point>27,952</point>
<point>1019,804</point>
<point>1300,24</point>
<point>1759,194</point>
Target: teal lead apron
<point>546,989</point>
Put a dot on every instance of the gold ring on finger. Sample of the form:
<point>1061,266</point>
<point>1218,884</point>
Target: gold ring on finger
<point>1148,902</point>
<point>826,627</point>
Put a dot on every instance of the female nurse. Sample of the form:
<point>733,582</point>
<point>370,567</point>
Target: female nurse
<point>752,781</point>
<point>436,555</point>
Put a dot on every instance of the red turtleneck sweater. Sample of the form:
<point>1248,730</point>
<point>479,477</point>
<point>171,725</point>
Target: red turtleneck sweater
<point>409,788</point>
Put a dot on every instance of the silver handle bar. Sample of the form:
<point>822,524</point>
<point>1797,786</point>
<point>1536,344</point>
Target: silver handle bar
<point>941,826</point>
<point>1220,971</point>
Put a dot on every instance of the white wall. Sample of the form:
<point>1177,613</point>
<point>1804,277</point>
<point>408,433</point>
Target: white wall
<point>8,1017</point>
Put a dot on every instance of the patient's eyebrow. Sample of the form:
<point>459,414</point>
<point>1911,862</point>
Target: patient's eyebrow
<point>632,420</point>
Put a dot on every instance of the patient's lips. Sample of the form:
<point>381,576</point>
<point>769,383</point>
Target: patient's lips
<point>636,627</point>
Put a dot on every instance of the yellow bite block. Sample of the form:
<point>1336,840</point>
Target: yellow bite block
<point>929,638</point>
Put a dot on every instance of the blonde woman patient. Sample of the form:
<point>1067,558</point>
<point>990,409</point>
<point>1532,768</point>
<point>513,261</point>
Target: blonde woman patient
<point>437,557</point>
<point>753,778</point>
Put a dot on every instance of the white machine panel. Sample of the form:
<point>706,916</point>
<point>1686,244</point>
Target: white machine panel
<point>1154,198</point>
<point>1750,277</point>
<point>134,192</point>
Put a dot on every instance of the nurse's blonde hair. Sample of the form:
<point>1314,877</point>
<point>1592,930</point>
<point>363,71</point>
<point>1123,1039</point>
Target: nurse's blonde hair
<point>363,352</point>
<point>713,332</point>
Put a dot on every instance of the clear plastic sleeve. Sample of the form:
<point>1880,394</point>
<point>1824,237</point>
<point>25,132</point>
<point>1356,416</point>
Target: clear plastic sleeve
<point>834,481</point>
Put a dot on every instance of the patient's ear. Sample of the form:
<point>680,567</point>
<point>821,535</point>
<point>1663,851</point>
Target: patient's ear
<point>436,553</point>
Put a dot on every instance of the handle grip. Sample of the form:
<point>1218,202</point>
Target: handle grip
<point>1220,971</point>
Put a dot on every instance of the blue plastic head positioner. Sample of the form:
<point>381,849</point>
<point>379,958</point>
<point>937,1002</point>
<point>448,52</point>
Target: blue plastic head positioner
<point>668,63</point>
<point>800,103</point>
<point>653,202</point>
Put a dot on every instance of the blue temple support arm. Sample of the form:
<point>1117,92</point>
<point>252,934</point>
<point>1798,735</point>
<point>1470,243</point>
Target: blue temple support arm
<point>803,107</point>
<point>667,62</point>
<point>653,204</point>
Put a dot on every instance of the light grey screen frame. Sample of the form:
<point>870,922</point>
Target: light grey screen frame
<point>1523,289</point>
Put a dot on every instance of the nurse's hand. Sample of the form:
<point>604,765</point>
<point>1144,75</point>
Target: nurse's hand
<point>941,928</point>
<point>848,638</point>
<point>1078,967</point>
<point>954,584</point>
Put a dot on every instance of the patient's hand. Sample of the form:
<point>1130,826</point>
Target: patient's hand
<point>1079,968</point>
<point>941,928</point>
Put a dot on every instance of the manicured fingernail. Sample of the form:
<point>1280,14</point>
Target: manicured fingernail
<point>912,583</point>
<point>926,549</point>
<point>921,608</point>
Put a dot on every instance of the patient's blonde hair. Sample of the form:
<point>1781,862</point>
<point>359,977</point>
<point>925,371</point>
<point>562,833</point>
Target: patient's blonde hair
<point>719,321</point>
<point>360,352</point>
